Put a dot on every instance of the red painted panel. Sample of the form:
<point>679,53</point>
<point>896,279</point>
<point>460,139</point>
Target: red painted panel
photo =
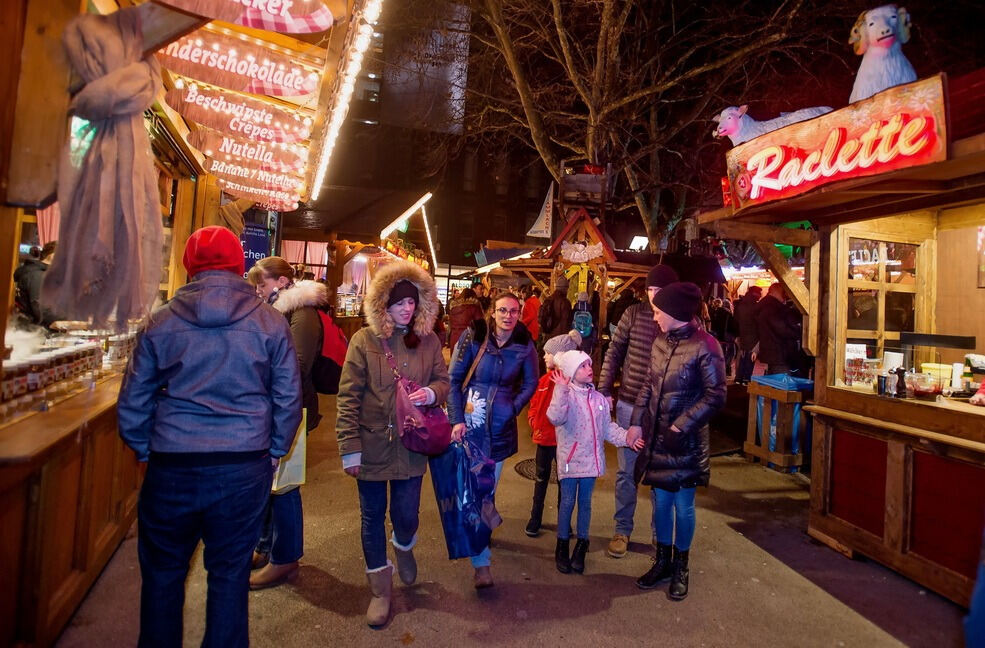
<point>948,512</point>
<point>858,480</point>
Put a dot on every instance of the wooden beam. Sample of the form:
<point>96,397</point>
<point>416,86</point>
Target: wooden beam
<point>778,265</point>
<point>752,232</point>
<point>901,187</point>
<point>812,318</point>
<point>715,215</point>
<point>537,282</point>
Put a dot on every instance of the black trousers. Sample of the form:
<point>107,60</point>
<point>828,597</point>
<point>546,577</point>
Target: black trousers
<point>546,455</point>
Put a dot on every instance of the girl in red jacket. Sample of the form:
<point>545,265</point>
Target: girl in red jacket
<point>543,430</point>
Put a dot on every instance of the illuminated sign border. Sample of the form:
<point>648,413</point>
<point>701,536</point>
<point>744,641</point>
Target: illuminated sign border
<point>902,127</point>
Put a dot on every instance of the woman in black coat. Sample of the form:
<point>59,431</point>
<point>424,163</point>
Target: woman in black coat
<point>685,388</point>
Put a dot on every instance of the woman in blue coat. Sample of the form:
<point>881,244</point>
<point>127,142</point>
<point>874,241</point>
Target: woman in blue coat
<point>504,380</point>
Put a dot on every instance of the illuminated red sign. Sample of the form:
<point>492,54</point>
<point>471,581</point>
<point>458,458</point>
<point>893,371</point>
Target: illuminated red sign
<point>237,114</point>
<point>281,158</point>
<point>253,176</point>
<point>284,16</point>
<point>899,128</point>
<point>238,65</point>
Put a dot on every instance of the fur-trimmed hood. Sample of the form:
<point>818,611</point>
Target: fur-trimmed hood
<point>379,292</point>
<point>301,294</point>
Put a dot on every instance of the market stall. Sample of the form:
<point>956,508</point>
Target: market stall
<point>892,298</point>
<point>218,145</point>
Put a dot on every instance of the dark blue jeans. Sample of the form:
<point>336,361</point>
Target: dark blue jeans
<point>282,535</point>
<point>220,505</point>
<point>675,517</point>
<point>575,490</point>
<point>405,505</point>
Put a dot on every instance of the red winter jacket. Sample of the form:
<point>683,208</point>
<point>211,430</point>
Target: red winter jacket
<point>537,412</point>
<point>530,316</point>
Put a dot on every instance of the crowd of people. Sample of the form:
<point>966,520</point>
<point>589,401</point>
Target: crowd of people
<point>216,390</point>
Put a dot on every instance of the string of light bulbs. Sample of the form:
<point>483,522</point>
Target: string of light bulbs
<point>345,86</point>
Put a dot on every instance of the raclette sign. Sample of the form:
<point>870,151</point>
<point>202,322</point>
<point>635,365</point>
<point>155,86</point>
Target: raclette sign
<point>237,114</point>
<point>238,65</point>
<point>898,128</point>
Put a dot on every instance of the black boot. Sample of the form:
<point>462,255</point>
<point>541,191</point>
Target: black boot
<point>678,585</point>
<point>578,556</point>
<point>533,527</point>
<point>562,557</point>
<point>661,570</point>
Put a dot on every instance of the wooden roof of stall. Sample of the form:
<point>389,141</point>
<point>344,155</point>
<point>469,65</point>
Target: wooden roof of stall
<point>957,181</point>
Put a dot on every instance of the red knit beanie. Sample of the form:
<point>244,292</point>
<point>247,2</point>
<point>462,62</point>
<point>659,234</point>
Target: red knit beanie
<point>213,248</point>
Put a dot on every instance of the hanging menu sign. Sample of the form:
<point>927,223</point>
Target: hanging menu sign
<point>237,114</point>
<point>284,16</point>
<point>253,176</point>
<point>268,196</point>
<point>281,158</point>
<point>235,64</point>
<point>901,127</point>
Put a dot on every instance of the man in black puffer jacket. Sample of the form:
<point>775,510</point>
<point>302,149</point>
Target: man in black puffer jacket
<point>685,389</point>
<point>628,357</point>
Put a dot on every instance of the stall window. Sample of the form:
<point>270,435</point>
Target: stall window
<point>879,280</point>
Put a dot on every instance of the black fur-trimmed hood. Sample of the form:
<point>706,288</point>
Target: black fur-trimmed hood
<point>480,328</point>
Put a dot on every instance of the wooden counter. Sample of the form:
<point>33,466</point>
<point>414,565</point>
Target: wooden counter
<point>902,482</point>
<point>350,325</point>
<point>68,495</point>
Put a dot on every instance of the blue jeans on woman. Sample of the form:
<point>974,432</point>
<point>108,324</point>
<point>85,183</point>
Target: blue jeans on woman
<point>282,535</point>
<point>219,504</point>
<point>675,507</point>
<point>405,505</point>
<point>578,489</point>
<point>484,559</point>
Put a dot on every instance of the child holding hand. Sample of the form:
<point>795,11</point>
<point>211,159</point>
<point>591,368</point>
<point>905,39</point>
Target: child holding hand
<point>583,420</point>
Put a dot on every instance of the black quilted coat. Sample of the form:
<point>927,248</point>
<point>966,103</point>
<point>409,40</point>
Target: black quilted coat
<point>685,388</point>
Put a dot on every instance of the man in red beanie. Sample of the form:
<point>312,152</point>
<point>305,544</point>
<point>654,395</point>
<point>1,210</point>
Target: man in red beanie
<point>211,400</point>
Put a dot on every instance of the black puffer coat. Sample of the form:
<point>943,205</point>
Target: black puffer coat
<point>629,353</point>
<point>685,388</point>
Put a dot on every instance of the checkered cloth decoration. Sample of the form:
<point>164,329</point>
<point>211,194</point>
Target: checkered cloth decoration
<point>315,22</point>
<point>273,90</point>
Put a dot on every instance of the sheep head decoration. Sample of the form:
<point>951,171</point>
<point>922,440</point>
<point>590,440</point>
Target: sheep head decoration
<point>878,36</point>
<point>734,123</point>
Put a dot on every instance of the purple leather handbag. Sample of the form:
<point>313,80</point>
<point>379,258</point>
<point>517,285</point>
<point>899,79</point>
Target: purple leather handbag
<point>423,429</point>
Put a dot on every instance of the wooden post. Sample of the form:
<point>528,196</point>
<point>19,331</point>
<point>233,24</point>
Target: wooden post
<point>811,319</point>
<point>9,241</point>
<point>184,213</point>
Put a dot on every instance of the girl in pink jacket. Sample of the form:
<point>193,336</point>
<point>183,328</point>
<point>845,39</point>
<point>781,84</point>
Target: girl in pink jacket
<point>583,420</point>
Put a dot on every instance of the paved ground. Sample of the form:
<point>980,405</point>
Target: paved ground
<point>756,580</point>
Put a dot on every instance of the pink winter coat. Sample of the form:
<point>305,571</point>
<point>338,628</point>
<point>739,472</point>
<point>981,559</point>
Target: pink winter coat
<point>583,420</point>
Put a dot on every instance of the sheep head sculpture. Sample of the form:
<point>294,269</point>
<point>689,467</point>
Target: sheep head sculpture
<point>878,36</point>
<point>729,121</point>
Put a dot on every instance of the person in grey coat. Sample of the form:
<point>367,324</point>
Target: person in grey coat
<point>211,400</point>
<point>628,358</point>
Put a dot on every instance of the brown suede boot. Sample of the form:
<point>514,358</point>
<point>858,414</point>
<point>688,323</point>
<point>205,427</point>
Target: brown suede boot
<point>272,575</point>
<point>381,586</point>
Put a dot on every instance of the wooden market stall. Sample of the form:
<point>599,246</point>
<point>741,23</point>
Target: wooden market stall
<point>68,484</point>
<point>895,188</point>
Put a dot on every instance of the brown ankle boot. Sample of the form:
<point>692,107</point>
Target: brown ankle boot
<point>381,585</point>
<point>272,575</point>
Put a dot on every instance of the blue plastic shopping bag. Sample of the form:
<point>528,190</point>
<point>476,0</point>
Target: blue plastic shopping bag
<point>464,479</point>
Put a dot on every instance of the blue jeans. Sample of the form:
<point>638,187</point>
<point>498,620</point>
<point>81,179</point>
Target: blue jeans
<point>405,506</point>
<point>484,559</point>
<point>625,484</point>
<point>571,489</point>
<point>282,535</point>
<point>677,507</point>
<point>221,505</point>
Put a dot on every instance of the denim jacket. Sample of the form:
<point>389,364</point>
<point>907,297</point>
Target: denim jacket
<point>214,371</point>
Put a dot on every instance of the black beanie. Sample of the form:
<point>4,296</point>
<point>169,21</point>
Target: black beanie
<point>679,300</point>
<point>404,288</point>
<point>661,276</point>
